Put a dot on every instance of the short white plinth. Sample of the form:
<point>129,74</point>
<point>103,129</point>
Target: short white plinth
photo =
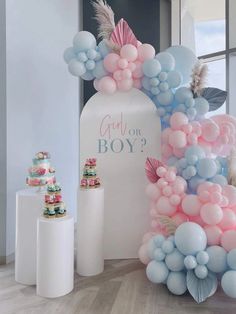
<point>29,206</point>
<point>90,231</point>
<point>55,256</point>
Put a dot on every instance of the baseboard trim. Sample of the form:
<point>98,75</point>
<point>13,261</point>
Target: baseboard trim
<point>7,259</point>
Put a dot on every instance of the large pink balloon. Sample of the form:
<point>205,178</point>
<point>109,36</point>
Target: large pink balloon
<point>211,214</point>
<point>164,207</point>
<point>107,85</point>
<point>228,240</point>
<point>213,235</point>
<point>125,84</point>
<point>153,192</point>
<point>191,205</point>
<point>177,139</point>
<point>111,62</point>
<point>129,52</point>
<point>177,120</point>
<point>229,219</point>
<point>146,51</point>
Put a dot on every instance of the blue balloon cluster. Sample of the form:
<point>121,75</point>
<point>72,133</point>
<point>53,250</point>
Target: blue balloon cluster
<point>85,58</point>
<point>196,168</point>
<point>194,108</point>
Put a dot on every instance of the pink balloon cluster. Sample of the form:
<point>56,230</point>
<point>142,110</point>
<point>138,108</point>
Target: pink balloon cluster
<point>216,135</point>
<point>125,68</point>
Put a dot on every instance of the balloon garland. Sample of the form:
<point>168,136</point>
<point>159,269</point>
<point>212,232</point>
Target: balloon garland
<point>192,241</point>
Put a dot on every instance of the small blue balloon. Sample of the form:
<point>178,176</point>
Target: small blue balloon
<point>162,76</point>
<point>90,65</point>
<point>176,283</point>
<point>194,183</point>
<point>191,171</point>
<point>83,41</point>
<point>167,246</point>
<point>98,56</point>
<point>196,151</point>
<point>180,108</point>
<point>189,102</point>
<point>201,271</point>
<point>206,168</point>
<point>190,262</point>
<point>88,76</point>
<point>76,68</point>
<point>103,48</point>
<point>183,163</point>
<point>175,260</point>
<point>82,57</point>
<point>69,54</point>
<point>219,179</point>
<point>151,67</point>
<point>99,70</point>
<point>182,94</point>
<point>191,113</point>
<point>192,159</point>
<point>154,81</point>
<point>159,255</point>
<point>166,60</point>
<point>228,283</point>
<point>201,106</point>
<point>155,90</point>
<point>163,86</point>
<point>174,79</point>
<point>158,240</point>
<point>146,83</point>
<point>231,259</point>
<point>161,112</point>
<point>91,54</point>
<point>151,247</point>
<point>165,98</point>
<point>202,257</point>
<point>157,272</point>
<point>217,259</point>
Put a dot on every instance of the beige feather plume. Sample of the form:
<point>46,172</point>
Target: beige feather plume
<point>167,223</point>
<point>232,167</point>
<point>199,77</point>
<point>105,18</point>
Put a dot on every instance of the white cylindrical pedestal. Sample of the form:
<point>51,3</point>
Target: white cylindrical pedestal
<point>29,206</point>
<point>55,256</point>
<point>90,221</point>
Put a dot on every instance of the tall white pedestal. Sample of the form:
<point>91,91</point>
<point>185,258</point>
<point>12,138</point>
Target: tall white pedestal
<point>55,256</point>
<point>90,232</point>
<point>29,206</point>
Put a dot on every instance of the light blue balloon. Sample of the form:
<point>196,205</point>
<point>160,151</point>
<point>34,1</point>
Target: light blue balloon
<point>171,238</point>
<point>163,76</point>
<point>189,102</point>
<point>165,98</point>
<point>172,161</point>
<point>157,272</point>
<point>90,65</point>
<point>163,86</point>
<point>201,106</point>
<point>219,179</point>
<point>151,247</point>
<point>83,41</point>
<point>82,57</point>
<point>196,151</point>
<point>182,163</point>
<point>158,240</point>
<point>190,238</point>
<point>99,70</point>
<point>206,168</point>
<point>217,259</point>
<point>228,283</point>
<point>202,257</point>
<point>191,171</point>
<point>166,60</point>
<point>231,259</point>
<point>159,255</point>
<point>98,56</point>
<point>154,81</point>
<point>146,83</point>
<point>192,159</point>
<point>88,76</point>
<point>167,246</point>
<point>190,262</point>
<point>176,283</point>
<point>155,90</point>
<point>76,68</point>
<point>161,112</point>
<point>103,48</point>
<point>194,182</point>
<point>201,271</point>
<point>182,94</point>
<point>185,60</point>
<point>174,79</point>
<point>175,261</point>
<point>180,108</point>
<point>91,54</point>
<point>191,113</point>
<point>151,67</point>
<point>69,54</point>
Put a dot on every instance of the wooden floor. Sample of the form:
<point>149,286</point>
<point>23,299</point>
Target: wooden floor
<point>122,289</point>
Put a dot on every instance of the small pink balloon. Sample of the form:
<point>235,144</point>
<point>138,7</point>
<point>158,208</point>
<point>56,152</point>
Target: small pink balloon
<point>228,240</point>
<point>215,188</point>
<point>154,224</point>
<point>177,120</point>
<point>179,152</point>
<point>107,85</point>
<point>213,234</point>
<point>175,200</point>
<point>147,236</point>
<point>167,191</point>
<point>153,192</point>
<point>191,205</point>
<point>161,183</point>
<point>138,71</point>
<point>204,187</point>
<point>215,198</point>
<point>177,139</point>
<point>197,128</point>
<point>123,63</point>
<point>132,66</point>
<point>111,62</point>
<point>161,172</point>
<point>96,84</point>
<point>179,218</point>
<point>125,84</point>
<point>126,74</point>
<point>139,43</point>
<point>170,176</point>
<point>143,254</point>
<point>187,128</point>
<point>192,139</point>
<point>146,51</point>
<point>129,52</point>
<point>166,151</point>
<point>211,214</point>
<point>164,207</point>
<point>153,213</point>
<point>229,219</point>
<point>230,192</point>
<point>137,83</point>
<point>224,201</point>
<point>179,185</point>
<point>165,135</point>
<point>210,130</point>
<point>117,75</point>
<point>204,196</point>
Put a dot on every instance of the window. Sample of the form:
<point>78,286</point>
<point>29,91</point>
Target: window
<point>208,28</point>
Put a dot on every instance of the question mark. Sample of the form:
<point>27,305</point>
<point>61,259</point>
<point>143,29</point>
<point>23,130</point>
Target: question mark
<point>143,143</point>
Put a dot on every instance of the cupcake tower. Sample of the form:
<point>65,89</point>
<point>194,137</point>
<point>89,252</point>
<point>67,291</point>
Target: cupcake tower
<point>90,179</point>
<point>54,206</point>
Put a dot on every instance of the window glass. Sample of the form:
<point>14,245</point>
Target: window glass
<point>232,24</point>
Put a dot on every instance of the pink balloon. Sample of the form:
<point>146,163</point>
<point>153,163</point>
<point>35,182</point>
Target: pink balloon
<point>117,75</point>
<point>230,192</point>
<point>210,130</point>
<point>146,51</point>
<point>137,83</point>
<point>161,172</point>
<point>216,198</point>
<point>175,199</point>
<point>211,214</point>
<point>125,84</point>
<point>204,187</point>
<point>132,66</point>
<point>126,74</point>
<point>143,254</point>
<point>138,71</point>
<point>111,62</point>
<point>153,192</point>
<point>192,139</point>
<point>167,191</point>
<point>197,219</point>
<point>170,176</point>
<point>96,84</point>
<point>179,152</point>
<point>177,139</point>
<point>179,218</point>
<point>177,120</point>
<point>228,240</point>
<point>129,52</point>
<point>123,63</point>
<point>161,183</point>
<point>187,128</point>
<point>107,85</point>
<point>166,151</point>
<point>164,207</point>
<point>147,236</point>
<point>229,219</point>
<point>179,186</point>
<point>165,135</point>
<point>213,234</point>
<point>204,196</point>
<point>191,205</point>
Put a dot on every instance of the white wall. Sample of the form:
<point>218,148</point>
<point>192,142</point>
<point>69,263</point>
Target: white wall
<point>42,97</point>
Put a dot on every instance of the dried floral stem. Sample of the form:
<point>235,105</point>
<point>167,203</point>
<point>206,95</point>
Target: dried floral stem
<point>199,77</point>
